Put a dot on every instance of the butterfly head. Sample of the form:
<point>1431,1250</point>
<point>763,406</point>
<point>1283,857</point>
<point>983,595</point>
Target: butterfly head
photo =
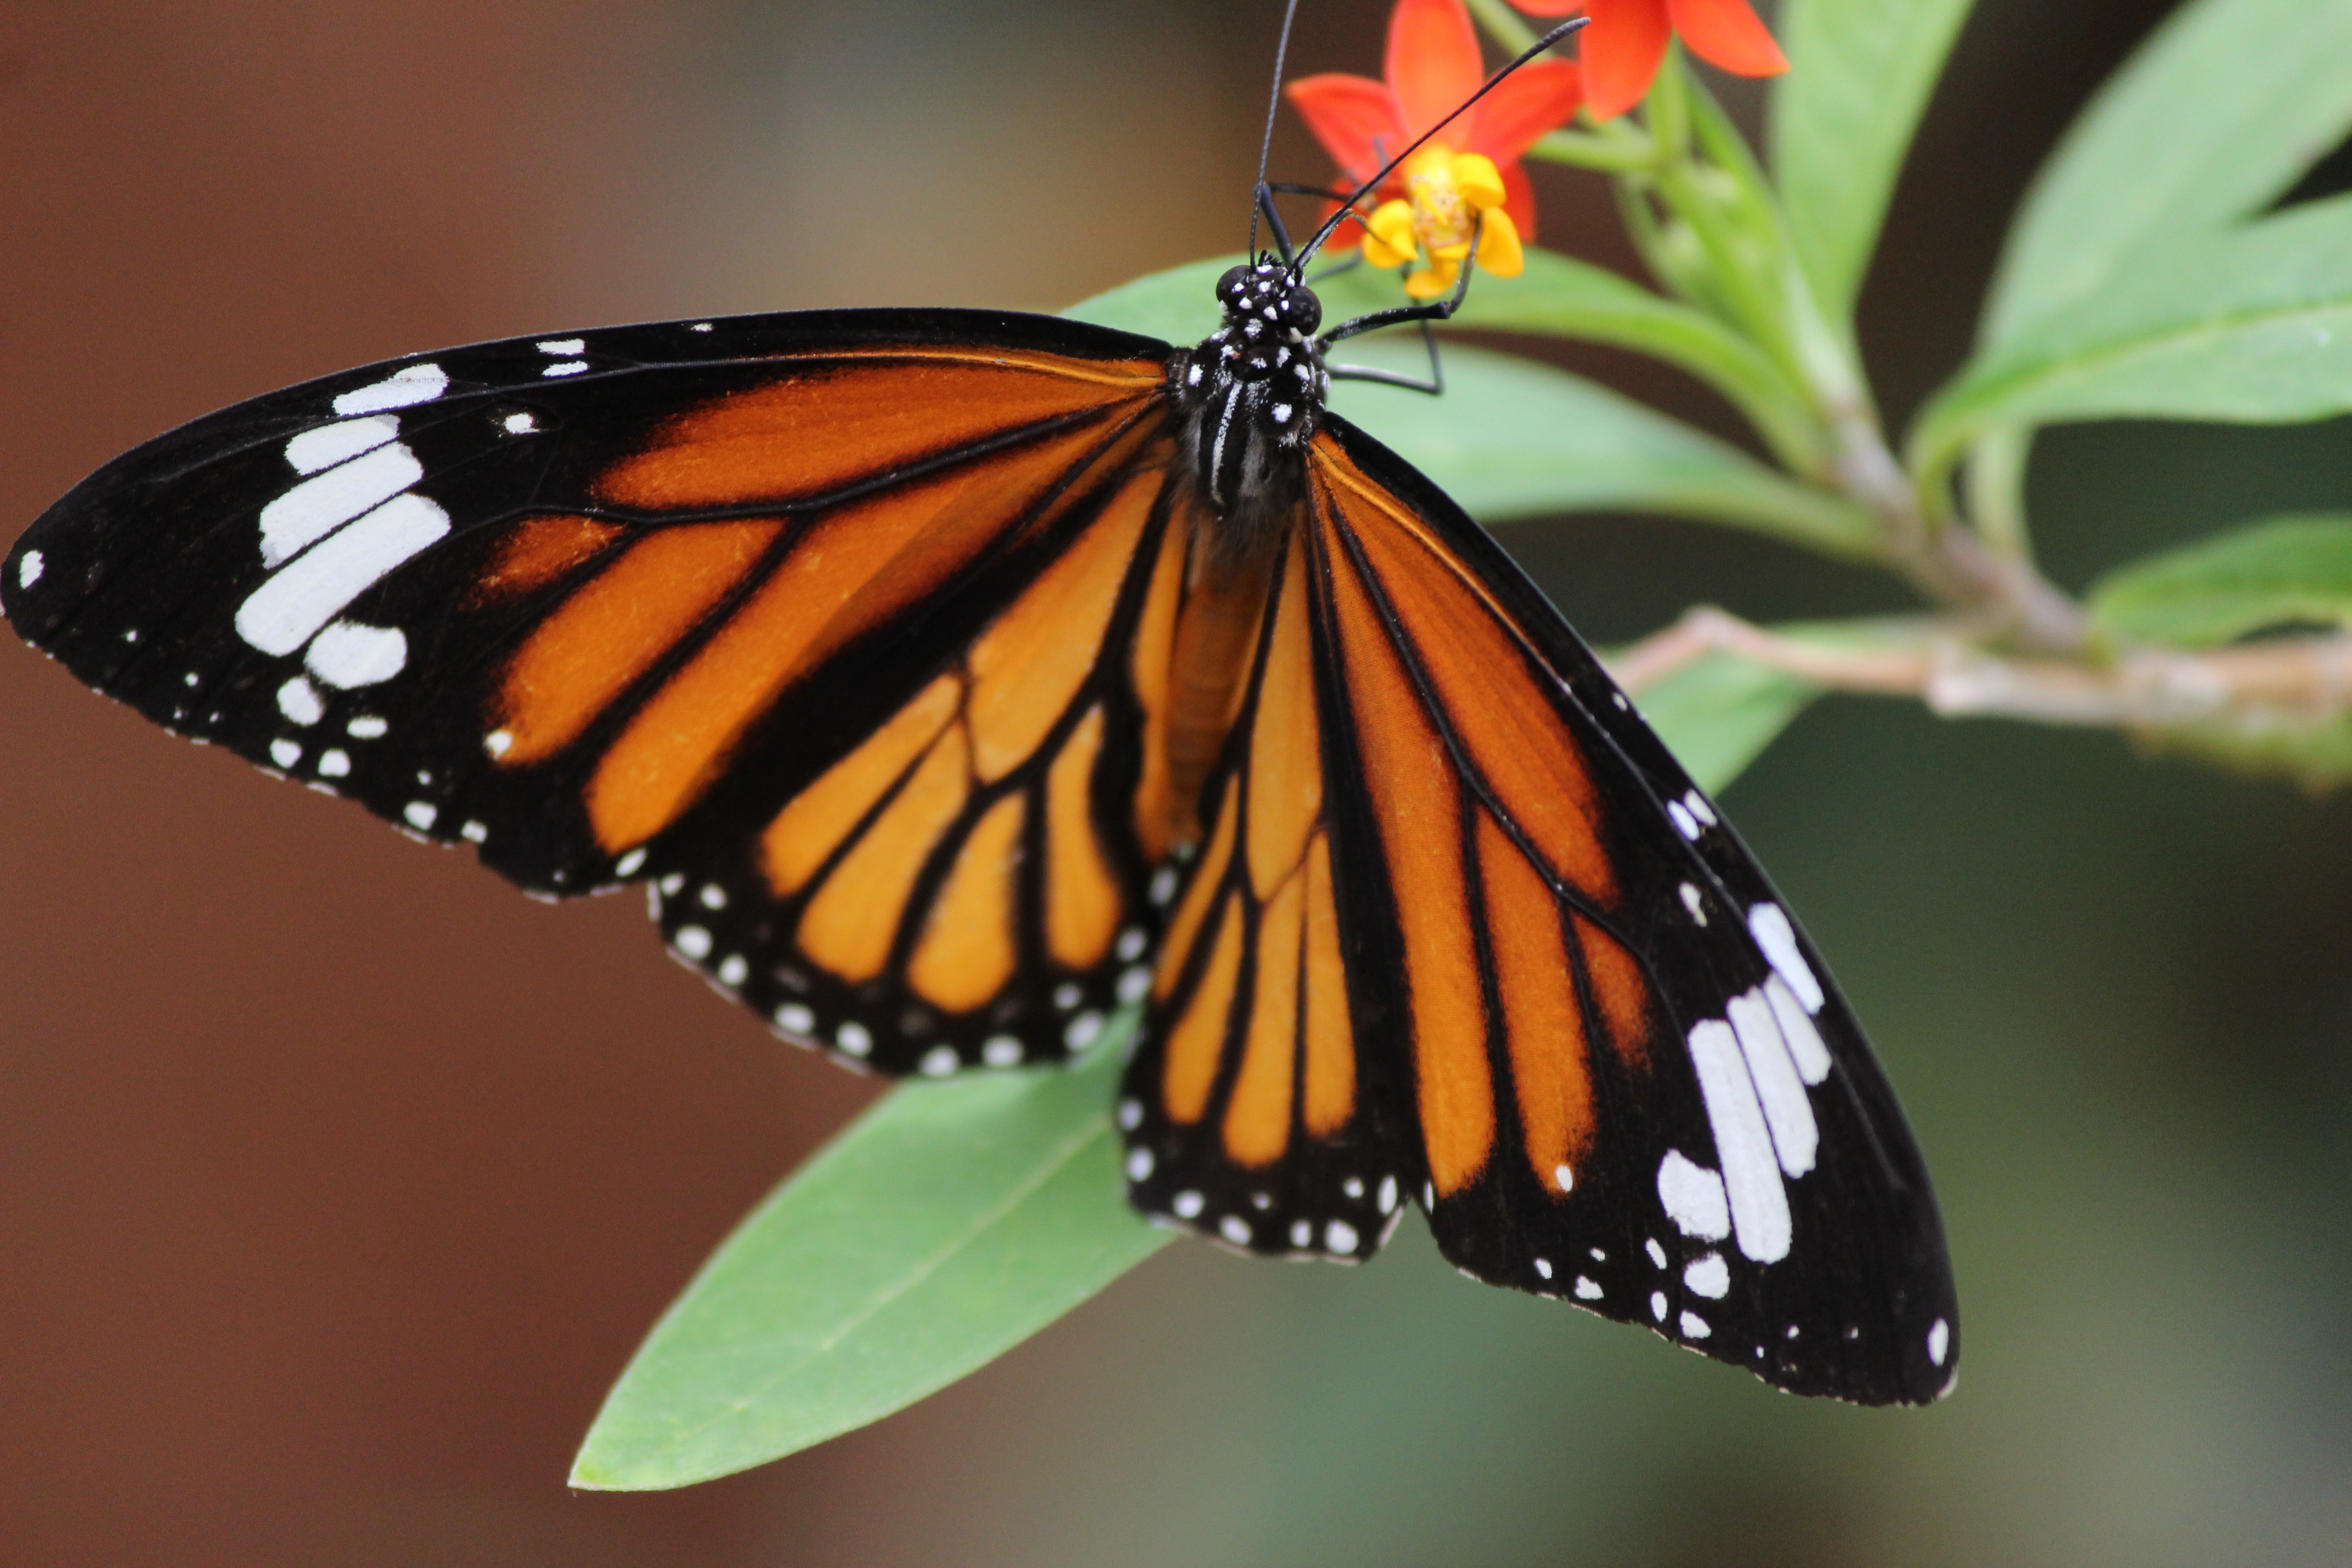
<point>1252,393</point>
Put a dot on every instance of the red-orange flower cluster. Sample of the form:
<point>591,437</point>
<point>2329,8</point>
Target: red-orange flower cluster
<point>1621,47</point>
<point>1433,66</point>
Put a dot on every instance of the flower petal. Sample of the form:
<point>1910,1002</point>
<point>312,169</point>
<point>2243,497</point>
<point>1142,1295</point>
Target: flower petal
<point>1391,242</point>
<point>1434,61</point>
<point>1354,117</point>
<point>1431,281</point>
<point>1549,8</point>
<point>1475,176</point>
<point>1498,245</point>
<point>1519,201</point>
<point>1727,34</point>
<point>1536,97</point>
<point>1621,52</point>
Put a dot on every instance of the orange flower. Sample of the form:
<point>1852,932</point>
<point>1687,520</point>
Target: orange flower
<point>1468,176</point>
<point>1622,48</point>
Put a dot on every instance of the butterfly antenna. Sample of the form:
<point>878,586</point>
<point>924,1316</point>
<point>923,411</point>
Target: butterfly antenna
<point>1272,105</point>
<point>1369,186</point>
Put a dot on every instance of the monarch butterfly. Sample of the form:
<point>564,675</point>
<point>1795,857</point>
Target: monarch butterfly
<point>954,678</point>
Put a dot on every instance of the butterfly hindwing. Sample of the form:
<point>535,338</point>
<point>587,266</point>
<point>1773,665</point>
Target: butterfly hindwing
<point>1247,1110</point>
<point>605,606</point>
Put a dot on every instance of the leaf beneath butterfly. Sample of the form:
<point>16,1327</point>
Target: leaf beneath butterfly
<point>945,1225</point>
<point>2296,568</point>
<point>1719,714</point>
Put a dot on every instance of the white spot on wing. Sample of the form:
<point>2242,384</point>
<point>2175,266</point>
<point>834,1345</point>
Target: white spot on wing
<point>733,970</point>
<point>1543,1268</point>
<point>1709,1277</point>
<point>1083,1031</point>
<point>519,423</point>
<point>1693,1198</point>
<point>1131,943</point>
<point>1804,1041</point>
<point>287,609</point>
<point>29,569</point>
<point>1768,924</point>
<point>1695,1327</point>
<point>334,762</point>
<point>1685,822</point>
<point>1657,1254</point>
<point>1939,1341</point>
<point>1132,984</point>
<point>853,1038</point>
<point>366,727</point>
<point>628,864</point>
<point>402,389</point>
<point>569,368</point>
<point>1563,1178</point>
<point>1235,1230</point>
<point>1001,1051</point>
<point>348,654</point>
<point>497,742</point>
<point>1751,1172</point>
<point>1586,1289</point>
<point>420,814</point>
<point>564,346</point>
<point>324,502</point>
<point>1787,1112</point>
<point>692,940</point>
<point>1387,1201</point>
<point>1697,805</point>
<point>331,443</point>
<point>940,1061</point>
<point>1658,1305</point>
<point>1130,1115</point>
<point>1187,1205</point>
<point>796,1017</point>
<point>1341,1236</point>
<point>1139,1164</point>
<point>285,754</point>
<point>1694,904</point>
<point>299,701</point>
<point>472,832</point>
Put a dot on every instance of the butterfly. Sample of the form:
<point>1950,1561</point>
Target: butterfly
<point>955,679</point>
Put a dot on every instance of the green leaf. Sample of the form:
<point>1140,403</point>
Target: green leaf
<point>1842,120</point>
<point>2265,744</point>
<point>2250,326</point>
<point>1557,296</point>
<point>2216,116</point>
<point>2268,573</point>
<point>949,1222</point>
<point>1719,714</point>
<point>1512,438</point>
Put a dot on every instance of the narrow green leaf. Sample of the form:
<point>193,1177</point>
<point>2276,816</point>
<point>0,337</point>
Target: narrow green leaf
<point>1859,75</point>
<point>2267,574</point>
<point>1719,714</point>
<point>2253,326</point>
<point>2217,115</point>
<point>949,1222</point>
<point>1557,296</point>
<point>1512,438</point>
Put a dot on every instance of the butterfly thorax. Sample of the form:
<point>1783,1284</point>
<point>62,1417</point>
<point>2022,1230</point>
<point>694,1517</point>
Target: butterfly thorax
<point>1250,395</point>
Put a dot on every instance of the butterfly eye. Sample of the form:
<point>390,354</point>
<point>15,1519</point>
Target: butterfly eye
<point>1235,285</point>
<point>1302,310</point>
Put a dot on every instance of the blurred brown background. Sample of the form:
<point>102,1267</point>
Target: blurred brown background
<point>337,1182</point>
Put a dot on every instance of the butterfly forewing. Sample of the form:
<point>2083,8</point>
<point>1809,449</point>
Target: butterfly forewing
<point>606,605</point>
<point>1633,1083</point>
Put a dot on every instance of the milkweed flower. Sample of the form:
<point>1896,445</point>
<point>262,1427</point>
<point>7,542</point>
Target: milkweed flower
<point>1464,180</point>
<point>1621,51</point>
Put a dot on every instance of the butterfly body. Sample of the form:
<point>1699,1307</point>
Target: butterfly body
<point>953,681</point>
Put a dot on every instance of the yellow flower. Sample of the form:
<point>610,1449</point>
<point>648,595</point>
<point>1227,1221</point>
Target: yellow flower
<point>1453,199</point>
